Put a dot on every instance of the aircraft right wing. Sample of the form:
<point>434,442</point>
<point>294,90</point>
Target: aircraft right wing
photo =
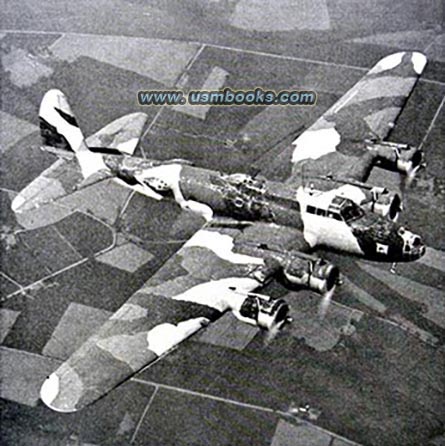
<point>206,277</point>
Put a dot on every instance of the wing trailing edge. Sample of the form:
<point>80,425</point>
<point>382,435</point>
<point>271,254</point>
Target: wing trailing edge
<point>338,142</point>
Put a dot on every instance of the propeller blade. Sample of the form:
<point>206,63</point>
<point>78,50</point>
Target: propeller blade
<point>406,180</point>
<point>325,302</point>
<point>271,334</point>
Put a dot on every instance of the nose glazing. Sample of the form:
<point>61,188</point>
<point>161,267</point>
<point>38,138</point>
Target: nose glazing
<point>413,246</point>
<point>417,241</point>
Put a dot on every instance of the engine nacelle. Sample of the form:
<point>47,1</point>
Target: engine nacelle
<point>373,198</point>
<point>400,158</point>
<point>384,202</point>
<point>263,311</point>
<point>313,273</point>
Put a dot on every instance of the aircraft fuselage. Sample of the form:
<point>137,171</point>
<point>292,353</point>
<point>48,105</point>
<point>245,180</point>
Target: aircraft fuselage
<point>325,218</point>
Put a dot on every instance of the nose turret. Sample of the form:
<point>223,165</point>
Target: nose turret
<point>384,240</point>
<point>412,246</point>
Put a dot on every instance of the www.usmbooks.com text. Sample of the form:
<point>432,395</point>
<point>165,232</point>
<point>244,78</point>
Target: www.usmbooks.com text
<point>227,97</point>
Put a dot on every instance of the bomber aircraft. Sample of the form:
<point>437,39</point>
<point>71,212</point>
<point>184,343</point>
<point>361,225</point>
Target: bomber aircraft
<point>253,230</point>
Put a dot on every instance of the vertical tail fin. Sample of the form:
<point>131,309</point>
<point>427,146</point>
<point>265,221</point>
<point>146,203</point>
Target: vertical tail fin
<point>58,125</point>
<point>59,130</point>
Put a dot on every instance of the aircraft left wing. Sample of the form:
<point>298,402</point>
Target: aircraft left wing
<point>340,142</point>
<point>205,278</point>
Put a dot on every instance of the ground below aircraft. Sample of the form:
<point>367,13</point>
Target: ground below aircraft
<point>253,230</point>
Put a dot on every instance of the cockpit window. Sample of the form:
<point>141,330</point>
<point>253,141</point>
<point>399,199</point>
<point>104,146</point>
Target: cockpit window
<point>334,215</point>
<point>341,209</point>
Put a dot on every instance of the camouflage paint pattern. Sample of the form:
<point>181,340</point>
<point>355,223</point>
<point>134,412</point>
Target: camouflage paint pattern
<point>64,177</point>
<point>204,279</point>
<point>258,226</point>
<point>335,143</point>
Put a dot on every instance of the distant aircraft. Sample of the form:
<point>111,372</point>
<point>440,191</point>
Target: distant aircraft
<point>254,230</point>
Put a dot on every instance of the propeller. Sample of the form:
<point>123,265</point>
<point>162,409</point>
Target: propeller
<point>406,180</point>
<point>272,332</point>
<point>325,302</point>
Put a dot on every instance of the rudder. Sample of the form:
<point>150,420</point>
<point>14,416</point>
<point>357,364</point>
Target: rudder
<point>60,132</point>
<point>58,125</point>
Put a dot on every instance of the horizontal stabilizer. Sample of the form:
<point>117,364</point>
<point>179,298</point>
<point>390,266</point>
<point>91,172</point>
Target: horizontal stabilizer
<point>123,135</point>
<point>95,178</point>
<point>79,165</point>
<point>57,181</point>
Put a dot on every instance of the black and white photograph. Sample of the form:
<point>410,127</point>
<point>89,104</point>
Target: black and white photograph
<point>222,223</point>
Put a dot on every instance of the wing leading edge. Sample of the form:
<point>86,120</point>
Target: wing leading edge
<point>336,142</point>
<point>204,279</point>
